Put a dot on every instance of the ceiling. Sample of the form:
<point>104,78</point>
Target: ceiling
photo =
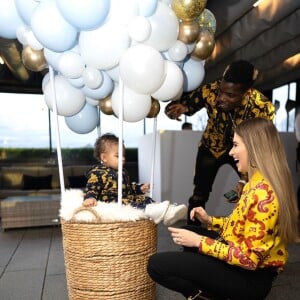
<point>267,35</point>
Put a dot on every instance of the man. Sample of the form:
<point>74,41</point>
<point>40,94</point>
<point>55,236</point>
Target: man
<point>228,102</point>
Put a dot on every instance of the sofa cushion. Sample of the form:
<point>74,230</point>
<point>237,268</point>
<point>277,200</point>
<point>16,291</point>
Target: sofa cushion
<point>12,177</point>
<point>36,182</point>
<point>78,181</point>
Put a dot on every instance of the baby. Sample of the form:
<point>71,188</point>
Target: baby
<point>102,181</point>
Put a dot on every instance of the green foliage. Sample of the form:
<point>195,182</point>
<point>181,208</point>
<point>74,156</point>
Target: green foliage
<point>35,155</point>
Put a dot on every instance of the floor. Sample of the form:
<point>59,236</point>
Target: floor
<point>32,267</point>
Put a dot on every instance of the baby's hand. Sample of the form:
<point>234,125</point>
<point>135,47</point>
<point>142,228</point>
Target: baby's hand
<point>89,202</point>
<point>145,188</point>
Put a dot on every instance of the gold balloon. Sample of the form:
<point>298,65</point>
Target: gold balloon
<point>155,108</point>
<point>188,9</point>
<point>34,60</point>
<point>188,31</point>
<point>204,46</point>
<point>207,21</point>
<point>106,106</point>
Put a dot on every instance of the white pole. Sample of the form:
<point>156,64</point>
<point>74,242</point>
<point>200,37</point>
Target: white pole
<point>120,159</point>
<point>57,135</point>
<point>153,156</point>
<point>99,123</point>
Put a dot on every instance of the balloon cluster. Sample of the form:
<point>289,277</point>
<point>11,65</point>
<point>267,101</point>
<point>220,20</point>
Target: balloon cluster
<point>101,51</point>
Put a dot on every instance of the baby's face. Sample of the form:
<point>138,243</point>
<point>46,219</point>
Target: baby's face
<point>111,156</point>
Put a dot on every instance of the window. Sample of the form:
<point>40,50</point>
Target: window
<point>27,123</point>
<point>284,99</point>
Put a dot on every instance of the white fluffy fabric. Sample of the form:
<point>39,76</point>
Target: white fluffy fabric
<point>71,201</point>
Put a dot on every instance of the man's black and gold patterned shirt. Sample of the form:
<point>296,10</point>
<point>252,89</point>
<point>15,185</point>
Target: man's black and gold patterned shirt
<point>102,184</point>
<point>218,133</point>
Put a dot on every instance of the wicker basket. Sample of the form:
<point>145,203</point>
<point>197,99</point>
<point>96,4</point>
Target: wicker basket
<point>108,260</point>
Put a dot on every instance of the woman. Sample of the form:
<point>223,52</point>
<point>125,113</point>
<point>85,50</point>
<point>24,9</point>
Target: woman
<point>239,256</point>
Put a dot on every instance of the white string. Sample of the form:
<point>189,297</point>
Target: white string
<point>120,158</point>
<point>153,156</point>
<point>57,134</point>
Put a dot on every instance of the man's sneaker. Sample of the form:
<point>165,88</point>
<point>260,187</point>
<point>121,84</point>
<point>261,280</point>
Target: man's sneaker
<point>157,211</point>
<point>175,213</point>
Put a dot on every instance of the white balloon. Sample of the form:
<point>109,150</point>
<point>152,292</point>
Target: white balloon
<point>142,69</point>
<point>136,106</point>
<point>84,14</point>
<point>70,64</point>
<point>191,47</point>
<point>84,121</point>
<point>69,100</point>
<point>92,77</point>
<point>166,55</point>
<point>178,96</point>
<point>102,48</point>
<point>172,84</point>
<point>164,28</point>
<point>122,12</point>
<point>193,74</point>
<point>139,28</point>
<point>101,92</point>
<point>26,8</point>
<point>9,19</point>
<point>178,51</point>
<point>114,73</point>
<point>45,80</point>
<point>51,29</point>
<point>167,2</point>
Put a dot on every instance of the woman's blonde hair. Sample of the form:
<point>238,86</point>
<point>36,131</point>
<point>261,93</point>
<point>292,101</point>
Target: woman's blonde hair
<point>266,153</point>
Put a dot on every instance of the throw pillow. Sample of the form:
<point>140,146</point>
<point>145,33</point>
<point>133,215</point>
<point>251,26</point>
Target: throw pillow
<point>36,182</point>
<point>78,181</point>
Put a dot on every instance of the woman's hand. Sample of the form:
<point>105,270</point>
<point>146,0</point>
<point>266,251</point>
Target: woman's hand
<point>174,111</point>
<point>89,202</point>
<point>200,214</point>
<point>185,237</point>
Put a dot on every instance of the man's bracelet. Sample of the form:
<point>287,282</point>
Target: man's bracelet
<point>242,181</point>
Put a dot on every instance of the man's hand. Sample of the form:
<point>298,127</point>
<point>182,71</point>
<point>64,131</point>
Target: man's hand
<point>200,214</point>
<point>174,111</point>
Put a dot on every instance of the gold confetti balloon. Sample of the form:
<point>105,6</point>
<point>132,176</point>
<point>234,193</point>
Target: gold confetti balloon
<point>155,108</point>
<point>34,60</point>
<point>106,106</point>
<point>204,46</point>
<point>207,21</point>
<point>188,9</point>
<point>188,31</point>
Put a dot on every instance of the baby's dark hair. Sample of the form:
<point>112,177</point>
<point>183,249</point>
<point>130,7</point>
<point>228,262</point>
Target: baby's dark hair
<point>103,142</point>
<point>241,71</point>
